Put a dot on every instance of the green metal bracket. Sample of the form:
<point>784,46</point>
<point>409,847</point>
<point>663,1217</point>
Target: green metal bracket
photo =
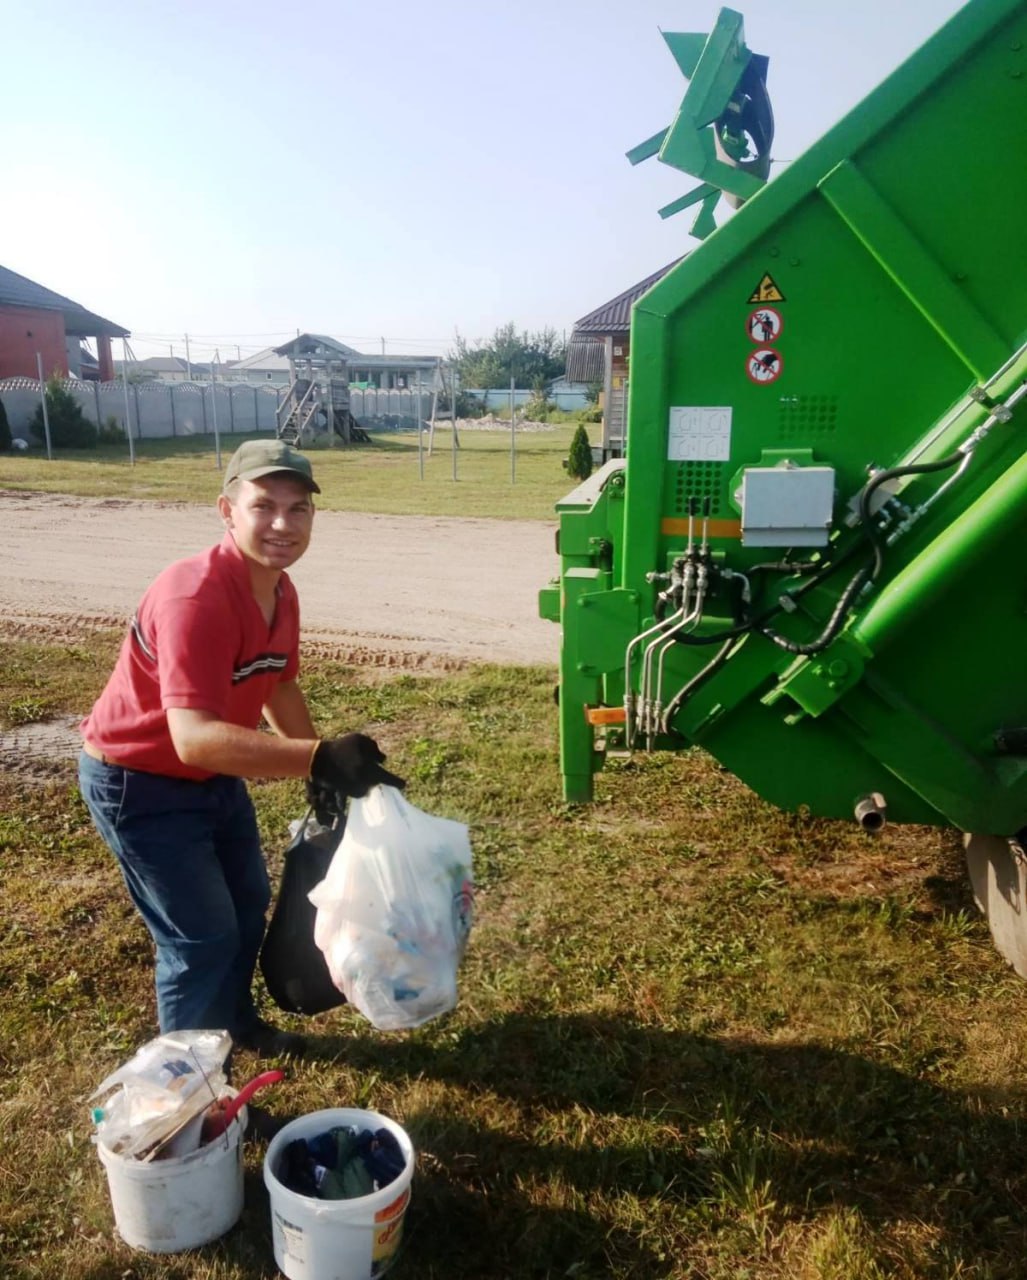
<point>724,126</point>
<point>549,602</point>
<point>816,683</point>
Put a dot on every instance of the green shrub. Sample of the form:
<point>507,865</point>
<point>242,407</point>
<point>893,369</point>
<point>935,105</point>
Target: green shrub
<point>69,427</point>
<point>538,408</point>
<point>5,430</point>
<point>111,431</point>
<point>579,460</point>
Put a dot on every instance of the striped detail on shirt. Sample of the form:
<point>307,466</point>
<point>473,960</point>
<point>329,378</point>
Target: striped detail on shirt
<point>140,639</point>
<point>259,666</point>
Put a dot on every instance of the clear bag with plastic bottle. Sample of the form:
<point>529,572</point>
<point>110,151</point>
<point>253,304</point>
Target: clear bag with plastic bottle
<point>168,1081</point>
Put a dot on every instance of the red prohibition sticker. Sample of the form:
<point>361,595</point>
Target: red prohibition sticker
<point>764,365</point>
<point>764,325</point>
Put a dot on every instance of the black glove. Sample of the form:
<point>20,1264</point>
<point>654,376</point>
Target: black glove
<point>351,765</point>
<point>327,803</point>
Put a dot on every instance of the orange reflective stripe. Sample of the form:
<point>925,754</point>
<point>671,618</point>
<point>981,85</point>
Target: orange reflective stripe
<point>604,715</point>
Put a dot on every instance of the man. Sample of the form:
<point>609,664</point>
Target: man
<point>212,649</point>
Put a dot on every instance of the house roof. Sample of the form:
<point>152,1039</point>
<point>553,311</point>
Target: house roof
<point>307,343</point>
<point>19,291</point>
<point>263,360</point>
<point>277,358</point>
<point>161,364</point>
<point>615,316</point>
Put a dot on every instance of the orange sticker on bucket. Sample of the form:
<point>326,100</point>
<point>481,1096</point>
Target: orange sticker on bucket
<point>397,1206</point>
<point>387,1239</point>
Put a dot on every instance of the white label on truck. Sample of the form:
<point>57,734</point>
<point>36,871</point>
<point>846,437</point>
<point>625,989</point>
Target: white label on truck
<point>698,433</point>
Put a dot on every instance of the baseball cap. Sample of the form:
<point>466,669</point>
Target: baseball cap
<point>258,458</point>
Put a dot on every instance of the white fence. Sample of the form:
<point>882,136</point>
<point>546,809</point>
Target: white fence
<point>156,410</point>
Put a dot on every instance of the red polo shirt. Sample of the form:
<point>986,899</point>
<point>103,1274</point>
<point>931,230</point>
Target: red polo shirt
<point>198,640</point>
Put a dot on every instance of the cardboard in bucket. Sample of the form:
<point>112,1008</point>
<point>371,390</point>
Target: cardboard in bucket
<point>336,1239</point>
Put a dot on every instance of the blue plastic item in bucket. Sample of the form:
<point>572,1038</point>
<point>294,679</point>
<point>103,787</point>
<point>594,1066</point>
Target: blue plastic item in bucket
<point>336,1239</point>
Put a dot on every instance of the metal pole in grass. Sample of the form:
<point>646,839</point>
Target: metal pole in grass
<point>452,405</point>
<point>46,414</point>
<point>214,414</point>
<point>420,433</point>
<point>124,388</point>
<point>513,436</point>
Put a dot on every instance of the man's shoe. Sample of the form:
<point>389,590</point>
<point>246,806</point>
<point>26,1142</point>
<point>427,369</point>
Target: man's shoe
<point>269,1042</point>
<point>261,1125</point>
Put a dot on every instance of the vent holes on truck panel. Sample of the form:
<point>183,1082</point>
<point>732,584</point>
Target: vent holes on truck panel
<point>697,480</point>
<point>806,417</point>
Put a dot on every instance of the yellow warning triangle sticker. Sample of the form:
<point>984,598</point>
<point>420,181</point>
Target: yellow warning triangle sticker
<point>766,291</point>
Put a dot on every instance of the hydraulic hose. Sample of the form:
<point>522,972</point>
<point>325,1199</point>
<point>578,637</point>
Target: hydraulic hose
<point>696,682</point>
<point>869,573</point>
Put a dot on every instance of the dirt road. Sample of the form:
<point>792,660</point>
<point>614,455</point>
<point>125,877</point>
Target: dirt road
<point>389,591</point>
<point>383,591</point>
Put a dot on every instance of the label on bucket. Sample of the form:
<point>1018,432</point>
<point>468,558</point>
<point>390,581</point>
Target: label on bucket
<point>291,1238</point>
<point>388,1235</point>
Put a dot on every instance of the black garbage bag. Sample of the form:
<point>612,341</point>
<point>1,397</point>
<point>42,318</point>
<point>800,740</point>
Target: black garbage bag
<point>294,968</point>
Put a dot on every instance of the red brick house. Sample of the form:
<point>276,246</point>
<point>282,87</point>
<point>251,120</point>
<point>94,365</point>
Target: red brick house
<point>37,320</point>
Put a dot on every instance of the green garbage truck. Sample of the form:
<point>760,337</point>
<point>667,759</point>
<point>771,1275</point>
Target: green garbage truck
<point>811,560</point>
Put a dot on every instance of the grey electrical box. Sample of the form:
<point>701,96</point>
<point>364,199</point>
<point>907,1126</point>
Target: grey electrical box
<point>787,506</point>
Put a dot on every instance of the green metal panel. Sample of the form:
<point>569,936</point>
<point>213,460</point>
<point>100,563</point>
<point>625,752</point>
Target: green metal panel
<point>865,311</point>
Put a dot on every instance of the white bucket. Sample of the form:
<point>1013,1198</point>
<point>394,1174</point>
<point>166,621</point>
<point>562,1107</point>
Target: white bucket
<point>336,1239</point>
<point>165,1206</point>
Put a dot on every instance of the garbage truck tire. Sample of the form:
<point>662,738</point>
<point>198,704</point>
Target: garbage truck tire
<point>998,877</point>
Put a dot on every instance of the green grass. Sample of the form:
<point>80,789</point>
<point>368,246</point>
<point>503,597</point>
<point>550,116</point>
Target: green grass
<point>696,1037</point>
<point>383,477</point>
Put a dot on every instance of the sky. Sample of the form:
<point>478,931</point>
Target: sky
<point>390,172</point>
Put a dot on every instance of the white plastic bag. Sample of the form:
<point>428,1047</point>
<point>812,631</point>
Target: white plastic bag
<point>395,910</point>
<point>165,1083</point>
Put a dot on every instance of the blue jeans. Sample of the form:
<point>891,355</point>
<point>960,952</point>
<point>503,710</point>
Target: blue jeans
<point>190,855</point>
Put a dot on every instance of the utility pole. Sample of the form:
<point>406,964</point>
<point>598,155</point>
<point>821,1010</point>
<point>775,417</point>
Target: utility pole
<point>188,362</point>
<point>383,346</point>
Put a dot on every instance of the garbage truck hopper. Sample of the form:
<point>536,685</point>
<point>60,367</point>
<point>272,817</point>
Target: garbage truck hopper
<point>812,560</point>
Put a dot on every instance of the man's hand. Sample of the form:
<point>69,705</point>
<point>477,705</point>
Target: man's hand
<point>327,803</point>
<point>351,765</point>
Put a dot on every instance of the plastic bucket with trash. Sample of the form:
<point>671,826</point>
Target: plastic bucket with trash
<point>339,1185</point>
<point>170,1137</point>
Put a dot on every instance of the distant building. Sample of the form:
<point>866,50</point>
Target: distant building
<point>158,368</point>
<point>599,351</point>
<point>35,321</point>
<point>384,373</point>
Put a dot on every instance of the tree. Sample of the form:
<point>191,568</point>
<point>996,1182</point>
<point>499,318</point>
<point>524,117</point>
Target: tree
<point>69,427</point>
<point>579,460</point>
<point>5,430</point>
<point>531,359</point>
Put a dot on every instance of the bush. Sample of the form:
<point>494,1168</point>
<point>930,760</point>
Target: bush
<point>5,430</point>
<point>69,427</point>
<point>538,408</point>
<point>111,431</point>
<point>579,460</point>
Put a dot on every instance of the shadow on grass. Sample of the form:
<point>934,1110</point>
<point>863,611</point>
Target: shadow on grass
<point>691,1120</point>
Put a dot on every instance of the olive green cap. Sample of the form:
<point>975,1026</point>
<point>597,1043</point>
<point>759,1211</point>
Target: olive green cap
<point>258,458</point>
